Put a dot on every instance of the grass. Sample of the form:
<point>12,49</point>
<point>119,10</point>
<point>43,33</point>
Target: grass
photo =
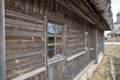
<point>103,70</point>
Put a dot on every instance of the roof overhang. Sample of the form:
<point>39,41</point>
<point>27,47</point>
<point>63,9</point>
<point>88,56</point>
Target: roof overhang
<point>86,10</point>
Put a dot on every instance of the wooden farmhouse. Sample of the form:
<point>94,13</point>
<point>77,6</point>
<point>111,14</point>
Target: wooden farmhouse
<point>52,39</point>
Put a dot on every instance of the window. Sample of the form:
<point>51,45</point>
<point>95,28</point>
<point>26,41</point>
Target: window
<point>86,40</point>
<point>55,46</point>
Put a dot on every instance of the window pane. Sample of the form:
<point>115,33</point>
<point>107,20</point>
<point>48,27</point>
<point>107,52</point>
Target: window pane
<point>59,40</point>
<point>58,49</point>
<point>51,29</point>
<point>86,39</point>
<point>59,29</point>
<point>86,35</point>
<point>51,40</point>
<point>51,51</point>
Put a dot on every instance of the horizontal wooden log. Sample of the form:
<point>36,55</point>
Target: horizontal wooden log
<point>23,53</point>
<point>13,73</point>
<point>17,66</point>
<point>21,23</point>
<point>24,45</point>
<point>24,60</point>
<point>24,28</point>
<point>24,16</point>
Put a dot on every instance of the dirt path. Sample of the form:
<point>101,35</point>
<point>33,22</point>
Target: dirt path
<point>103,71</point>
<point>117,67</point>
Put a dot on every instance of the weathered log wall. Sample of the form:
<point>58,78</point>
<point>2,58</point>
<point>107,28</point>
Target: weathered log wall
<point>74,36</point>
<point>24,42</point>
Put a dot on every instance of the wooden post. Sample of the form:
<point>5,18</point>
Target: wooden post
<point>103,43</point>
<point>65,33</point>
<point>96,44</point>
<point>45,44</point>
<point>2,42</point>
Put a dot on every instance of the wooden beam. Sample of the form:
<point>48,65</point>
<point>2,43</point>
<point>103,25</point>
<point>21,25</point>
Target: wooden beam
<point>29,74</point>
<point>75,10</point>
<point>75,56</point>
<point>46,44</point>
<point>103,42</point>
<point>96,44</point>
<point>2,41</point>
<point>64,51</point>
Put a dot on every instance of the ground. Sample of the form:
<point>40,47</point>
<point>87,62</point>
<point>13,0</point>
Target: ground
<point>103,70</point>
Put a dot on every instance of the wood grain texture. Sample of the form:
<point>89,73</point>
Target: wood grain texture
<point>26,36</point>
<point>74,36</point>
<point>24,44</point>
<point>2,42</point>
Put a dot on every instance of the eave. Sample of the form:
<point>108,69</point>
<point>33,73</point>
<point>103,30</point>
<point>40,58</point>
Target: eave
<point>85,10</point>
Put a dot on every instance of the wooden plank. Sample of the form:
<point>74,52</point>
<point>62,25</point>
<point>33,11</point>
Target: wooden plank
<point>30,28</point>
<point>19,44</point>
<point>64,48</point>
<point>24,16</point>
<point>23,53</point>
<point>96,44</point>
<point>39,61</point>
<point>25,60</point>
<point>75,56</point>
<point>2,41</point>
<point>26,69</point>
<point>22,35</point>
<point>22,23</point>
<point>29,74</point>
<point>45,45</point>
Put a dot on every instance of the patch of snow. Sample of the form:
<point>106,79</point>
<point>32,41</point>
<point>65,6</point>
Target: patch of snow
<point>112,43</point>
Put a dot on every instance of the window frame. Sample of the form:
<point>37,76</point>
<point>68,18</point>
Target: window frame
<point>55,43</point>
<point>86,39</point>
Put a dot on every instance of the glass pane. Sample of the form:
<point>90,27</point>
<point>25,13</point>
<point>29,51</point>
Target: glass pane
<point>51,51</point>
<point>86,35</point>
<point>59,29</point>
<point>86,39</point>
<point>51,40</point>
<point>59,40</point>
<point>58,49</point>
<point>51,29</point>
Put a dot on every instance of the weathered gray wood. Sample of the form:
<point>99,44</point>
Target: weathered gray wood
<point>23,70</point>
<point>64,50</point>
<point>23,53</point>
<point>46,44</point>
<point>26,64</point>
<point>24,43</point>
<point>2,42</point>
<point>96,45</point>
<point>103,42</point>
<point>24,32</point>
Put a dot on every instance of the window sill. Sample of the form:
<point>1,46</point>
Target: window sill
<point>77,55</point>
<point>55,59</point>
